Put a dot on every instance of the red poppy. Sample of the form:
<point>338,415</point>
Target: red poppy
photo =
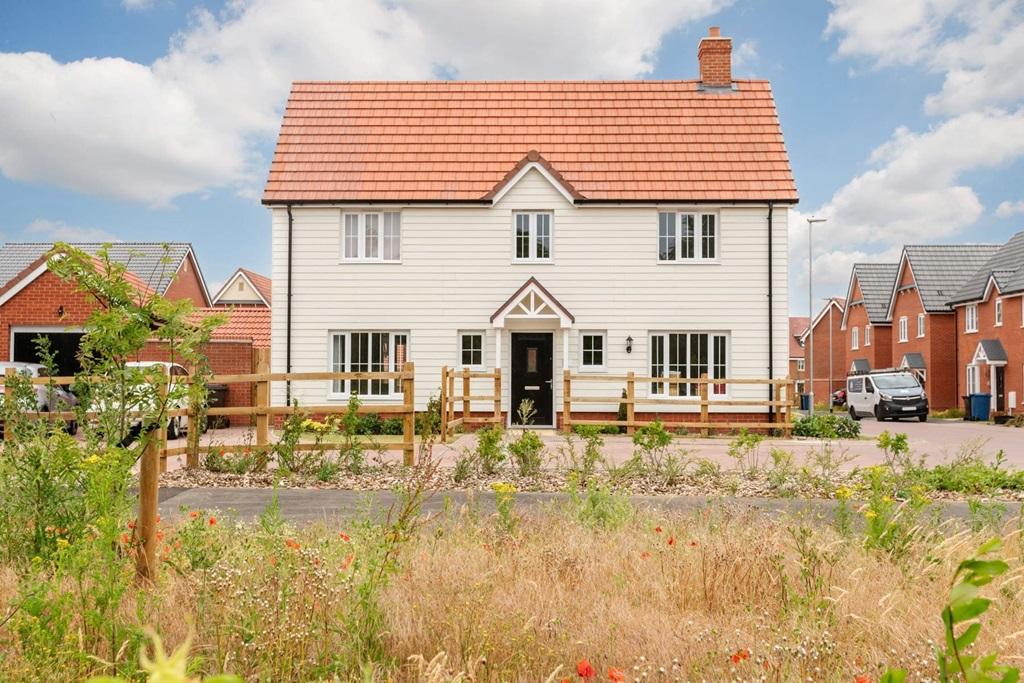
<point>159,536</point>
<point>343,536</point>
<point>671,540</point>
<point>193,514</point>
<point>616,675</point>
<point>862,678</point>
<point>131,524</point>
<point>213,521</point>
<point>347,562</point>
<point>739,656</point>
<point>585,670</point>
<point>565,680</point>
<point>292,543</point>
<point>124,539</point>
<point>657,529</point>
<point>645,555</point>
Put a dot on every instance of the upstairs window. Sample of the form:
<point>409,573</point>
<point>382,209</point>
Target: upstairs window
<point>867,335</point>
<point>532,236</point>
<point>686,236</point>
<point>855,338</point>
<point>920,325</point>
<point>999,313</point>
<point>972,318</point>
<point>371,237</point>
<point>903,329</point>
<point>800,365</point>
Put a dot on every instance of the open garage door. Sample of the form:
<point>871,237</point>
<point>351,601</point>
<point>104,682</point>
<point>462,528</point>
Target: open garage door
<point>63,344</point>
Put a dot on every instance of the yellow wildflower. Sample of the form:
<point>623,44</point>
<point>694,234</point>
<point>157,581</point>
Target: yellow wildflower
<point>503,487</point>
<point>843,493</point>
<point>870,514</point>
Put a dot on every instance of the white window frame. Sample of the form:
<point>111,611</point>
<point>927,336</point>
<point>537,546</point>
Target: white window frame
<point>689,390</point>
<point>904,330</point>
<point>699,242</point>
<point>920,325</point>
<point>389,227</point>
<point>998,313</point>
<point>801,365</point>
<point>483,349</point>
<point>394,391</point>
<point>973,379</point>
<point>867,335</point>
<point>531,217</point>
<point>604,351</point>
<point>971,318</point>
<point>855,339</point>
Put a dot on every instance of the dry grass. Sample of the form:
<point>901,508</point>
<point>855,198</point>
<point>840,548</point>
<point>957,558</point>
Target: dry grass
<point>664,597</point>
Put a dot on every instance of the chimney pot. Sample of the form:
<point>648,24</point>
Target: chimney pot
<point>714,54</point>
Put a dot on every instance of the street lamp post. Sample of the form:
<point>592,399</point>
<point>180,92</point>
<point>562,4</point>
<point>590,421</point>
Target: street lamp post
<point>810,308</point>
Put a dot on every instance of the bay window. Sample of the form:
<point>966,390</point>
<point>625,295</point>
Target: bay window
<point>688,355</point>
<point>368,352</point>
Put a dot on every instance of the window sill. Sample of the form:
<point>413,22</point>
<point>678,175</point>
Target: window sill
<point>970,332</point>
<point>533,262</point>
<point>373,400</point>
<point>471,368</point>
<point>594,370</point>
<point>367,262</point>
<point>690,262</point>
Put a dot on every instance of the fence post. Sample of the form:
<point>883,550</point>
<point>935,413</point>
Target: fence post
<point>790,395</point>
<point>497,396</point>
<point>8,376</point>
<point>194,427</point>
<point>261,398</point>
<point>566,401</point>
<point>149,476</point>
<point>465,397</point>
<point>444,405</point>
<point>409,416</point>
<point>162,391</point>
<point>630,397</point>
<point>777,400</point>
<point>704,416</point>
<point>451,398</point>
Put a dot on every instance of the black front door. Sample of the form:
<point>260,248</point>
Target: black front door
<point>532,367</point>
<point>1000,396</point>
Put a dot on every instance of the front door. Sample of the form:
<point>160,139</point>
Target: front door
<point>532,368</point>
<point>1000,397</point>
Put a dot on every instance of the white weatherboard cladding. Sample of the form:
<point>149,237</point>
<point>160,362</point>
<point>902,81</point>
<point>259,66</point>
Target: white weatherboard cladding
<point>457,268</point>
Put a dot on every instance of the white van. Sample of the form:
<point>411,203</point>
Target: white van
<point>887,394</point>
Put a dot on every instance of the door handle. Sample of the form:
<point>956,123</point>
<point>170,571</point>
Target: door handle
<point>547,381</point>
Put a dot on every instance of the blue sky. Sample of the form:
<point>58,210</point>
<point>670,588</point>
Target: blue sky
<point>155,120</point>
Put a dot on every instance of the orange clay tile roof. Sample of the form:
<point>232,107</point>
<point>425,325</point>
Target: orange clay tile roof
<point>456,141</point>
<point>243,323</point>
<point>797,327</point>
<point>260,282</point>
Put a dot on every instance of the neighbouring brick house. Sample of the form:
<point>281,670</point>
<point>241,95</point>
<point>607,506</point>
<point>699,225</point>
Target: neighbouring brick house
<point>34,301</point>
<point>865,322</point>
<point>989,322</point>
<point>924,330</point>
<point>829,350</point>
<point>244,289</point>
<point>797,354</point>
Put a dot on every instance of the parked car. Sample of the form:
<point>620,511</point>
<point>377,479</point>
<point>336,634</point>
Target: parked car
<point>889,394</point>
<point>176,426</point>
<point>49,399</point>
<point>839,397</point>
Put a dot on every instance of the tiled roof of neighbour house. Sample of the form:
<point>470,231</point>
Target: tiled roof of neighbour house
<point>797,327</point>
<point>260,282</point>
<point>876,281</point>
<point>837,301</point>
<point>243,323</point>
<point>147,260</point>
<point>458,141</point>
<point>940,270</point>
<point>1006,265</point>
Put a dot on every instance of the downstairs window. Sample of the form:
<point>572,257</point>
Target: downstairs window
<point>688,355</point>
<point>368,352</point>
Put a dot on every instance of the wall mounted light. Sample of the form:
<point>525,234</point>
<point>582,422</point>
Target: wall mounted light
<point>60,312</point>
<point>629,344</point>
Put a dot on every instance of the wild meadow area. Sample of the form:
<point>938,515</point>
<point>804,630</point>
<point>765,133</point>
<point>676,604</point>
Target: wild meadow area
<point>877,585</point>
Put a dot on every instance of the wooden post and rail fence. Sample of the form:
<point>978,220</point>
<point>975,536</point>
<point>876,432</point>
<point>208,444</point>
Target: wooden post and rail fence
<point>449,400</point>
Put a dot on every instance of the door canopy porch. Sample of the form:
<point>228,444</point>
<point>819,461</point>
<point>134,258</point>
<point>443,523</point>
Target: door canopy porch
<point>989,352</point>
<point>532,302</point>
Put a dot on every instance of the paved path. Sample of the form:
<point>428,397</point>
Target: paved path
<point>311,505</point>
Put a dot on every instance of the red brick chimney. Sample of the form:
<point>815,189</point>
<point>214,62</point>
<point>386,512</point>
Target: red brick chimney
<point>715,57</point>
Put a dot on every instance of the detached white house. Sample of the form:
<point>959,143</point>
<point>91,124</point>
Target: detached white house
<point>597,226</point>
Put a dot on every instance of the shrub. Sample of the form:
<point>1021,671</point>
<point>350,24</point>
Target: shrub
<point>527,452</point>
<point>652,450</point>
<point>745,449</point>
<point>393,426</point>
<point>370,424</point>
<point>236,462</point>
<point>490,453</point>
<point>429,421</point>
<point>826,426</point>
<point>583,464</point>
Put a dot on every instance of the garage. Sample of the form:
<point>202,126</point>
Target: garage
<point>63,343</point>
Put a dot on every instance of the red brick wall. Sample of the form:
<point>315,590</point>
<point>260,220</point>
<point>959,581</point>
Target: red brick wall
<point>824,384</point>
<point>187,285</point>
<point>794,373</point>
<point>715,58</point>
<point>1011,334</point>
<point>37,305</point>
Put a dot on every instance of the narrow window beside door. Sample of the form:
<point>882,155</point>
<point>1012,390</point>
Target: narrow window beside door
<point>471,350</point>
<point>592,350</point>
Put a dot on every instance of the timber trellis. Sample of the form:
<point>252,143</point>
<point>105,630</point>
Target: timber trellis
<point>452,379</point>
<point>779,415</point>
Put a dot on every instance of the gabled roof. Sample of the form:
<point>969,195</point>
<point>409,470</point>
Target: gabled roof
<point>40,265</point>
<point>797,327</point>
<point>940,270</point>
<point>147,260</point>
<point>912,360</point>
<point>876,282</point>
<point>261,284</point>
<point>836,301</point>
<point>532,301</point>
<point>455,141</point>
<point>1005,267</point>
<point>990,351</point>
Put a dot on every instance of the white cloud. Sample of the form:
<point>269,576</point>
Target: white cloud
<point>744,56</point>
<point>134,5</point>
<point>59,231</point>
<point>190,121</point>
<point>1007,209</point>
